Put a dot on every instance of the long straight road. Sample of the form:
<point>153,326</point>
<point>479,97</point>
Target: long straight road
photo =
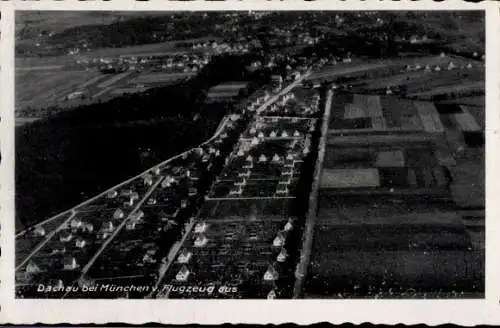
<point>313,199</point>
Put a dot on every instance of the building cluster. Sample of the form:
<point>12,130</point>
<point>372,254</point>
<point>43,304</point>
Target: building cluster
<point>306,104</point>
<point>246,236</point>
<point>242,245</point>
<point>223,47</point>
<point>125,234</point>
<point>267,160</point>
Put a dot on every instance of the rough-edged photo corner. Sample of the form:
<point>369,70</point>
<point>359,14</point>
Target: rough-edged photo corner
<point>250,155</point>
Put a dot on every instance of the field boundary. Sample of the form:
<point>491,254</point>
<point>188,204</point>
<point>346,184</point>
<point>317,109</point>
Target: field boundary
<point>313,201</point>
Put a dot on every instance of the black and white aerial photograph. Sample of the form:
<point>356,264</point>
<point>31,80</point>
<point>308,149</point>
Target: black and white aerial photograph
<point>250,155</point>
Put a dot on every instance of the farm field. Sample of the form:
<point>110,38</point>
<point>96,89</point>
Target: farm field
<point>160,77</point>
<point>45,88</point>
<point>343,274</point>
<point>476,101</point>
<point>153,49</point>
<point>67,88</point>
<point>470,86</point>
<point>424,79</point>
<point>35,63</point>
<point>36,21</point>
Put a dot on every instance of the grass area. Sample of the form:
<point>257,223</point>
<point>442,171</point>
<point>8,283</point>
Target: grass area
<point>161,77</point>
<point>45,88</point>
<point>368,273</point>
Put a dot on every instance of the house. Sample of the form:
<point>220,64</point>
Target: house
<point>271,274</point>
<point>237,191</point>
<point>112,194</point>
<point>289,163</point>
<point>288,171</point>
<point>56,284</point>
<point>240,181</point>
<point>135,219</point>
<point>148,179</point>
<point>184,256</point>
<point>271,295</point>
<point>284,134</point>
<point>200,241</point>
<point>296,133</point>
<point>272,134</point>
<point>200,227</point>
<point>247,172</point>
<point>76,224</point>
<point>80,243</point>
<point>285,180</point>
<point>39,231</point>
<point>148,259</point>
<point>129,203</point>
<point>107,226</point>
<point>104,235</point>
<point>279,240</point>
<point>276,158</point>
<point>282,256</point>
<point>262,158</point>
<point>137,216</point>
<point>60,249</point>
<point>70,263</point>
<point>192,192</point>
<point>118,214</point>
<point>65,236</point>
<point>134,196</point>
<point>89,227</point>
<point>131,225</point>
<point>183,274</point>
<point>166,183</point>
<point>282,189</point>
<point>32,267</point>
